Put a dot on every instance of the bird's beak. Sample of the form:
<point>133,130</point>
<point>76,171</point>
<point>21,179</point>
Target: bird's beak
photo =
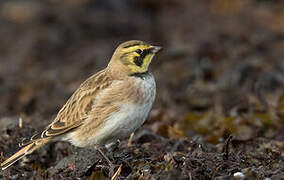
<point>156,49</point>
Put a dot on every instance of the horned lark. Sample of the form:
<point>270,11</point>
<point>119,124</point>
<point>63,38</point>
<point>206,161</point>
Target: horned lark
<point>107,107</point>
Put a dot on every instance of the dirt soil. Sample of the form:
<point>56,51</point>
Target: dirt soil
<point>219,110</point>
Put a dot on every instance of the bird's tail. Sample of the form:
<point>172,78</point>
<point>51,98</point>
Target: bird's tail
<point>27,149</point>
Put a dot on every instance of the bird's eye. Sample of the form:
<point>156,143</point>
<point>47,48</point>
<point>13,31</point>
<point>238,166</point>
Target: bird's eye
<point>138,51</point>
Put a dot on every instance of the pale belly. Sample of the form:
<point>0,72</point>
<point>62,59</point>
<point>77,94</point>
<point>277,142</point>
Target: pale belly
<point>121,124</point>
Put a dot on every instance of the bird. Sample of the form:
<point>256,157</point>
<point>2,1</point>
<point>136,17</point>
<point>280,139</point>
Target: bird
<point>107,107</point>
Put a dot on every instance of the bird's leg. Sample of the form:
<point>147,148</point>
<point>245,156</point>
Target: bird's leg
<point>117,144</point>
<point>112,146</point>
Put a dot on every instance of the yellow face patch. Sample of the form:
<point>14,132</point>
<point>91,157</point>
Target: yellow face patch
<point>138,57</point>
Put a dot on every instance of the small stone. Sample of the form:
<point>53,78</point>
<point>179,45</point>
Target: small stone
<point>239,175</point>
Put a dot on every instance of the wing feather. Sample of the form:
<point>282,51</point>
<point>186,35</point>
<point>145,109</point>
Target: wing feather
<point>77,108</point>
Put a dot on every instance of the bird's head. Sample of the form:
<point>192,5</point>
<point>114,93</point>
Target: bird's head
<point>134,56</point>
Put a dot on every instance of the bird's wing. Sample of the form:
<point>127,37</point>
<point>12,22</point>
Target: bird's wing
<point>76,110</point>
<point>109,102</point>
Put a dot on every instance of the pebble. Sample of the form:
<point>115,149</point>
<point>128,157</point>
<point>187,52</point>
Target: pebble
<point>239,175</point>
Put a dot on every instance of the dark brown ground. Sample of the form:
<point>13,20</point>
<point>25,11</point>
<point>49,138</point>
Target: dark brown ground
<point>221,73</point>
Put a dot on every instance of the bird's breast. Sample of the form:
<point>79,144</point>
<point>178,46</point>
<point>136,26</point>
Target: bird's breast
<point>130,116</point>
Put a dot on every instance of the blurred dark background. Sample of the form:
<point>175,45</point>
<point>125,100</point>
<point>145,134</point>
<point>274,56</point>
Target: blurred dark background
<point>221,71</point>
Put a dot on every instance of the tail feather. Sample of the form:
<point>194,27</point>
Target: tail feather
<point>28,149</point>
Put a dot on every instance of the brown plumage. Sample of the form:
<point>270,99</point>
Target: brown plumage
<point>107,106</point>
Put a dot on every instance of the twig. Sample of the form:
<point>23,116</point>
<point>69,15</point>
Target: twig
<point>190,176</point>
<point>2,157</point>
<point>130,140</point>
<point>117,173</point>
<point>105,157</point>
<point>227,147</point>
<point>20,122</point>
